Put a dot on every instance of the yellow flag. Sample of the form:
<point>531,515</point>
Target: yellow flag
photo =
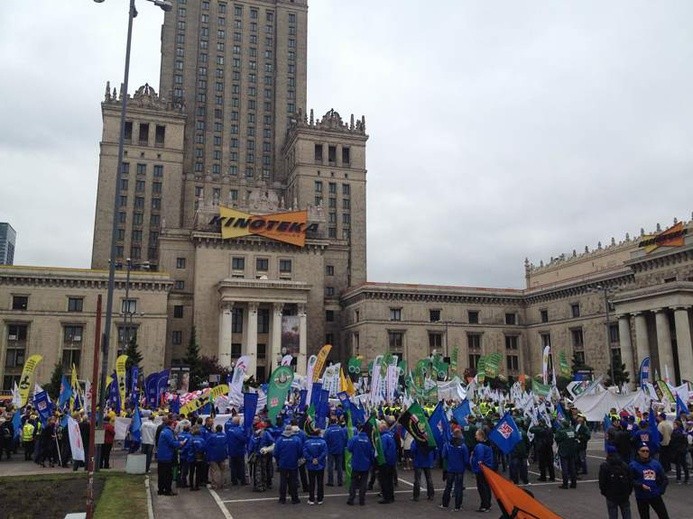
<point>322,357</point>
<point>26,383</point>
<point>204,398</point>
<point>75,388</point>
<point>120,372</point>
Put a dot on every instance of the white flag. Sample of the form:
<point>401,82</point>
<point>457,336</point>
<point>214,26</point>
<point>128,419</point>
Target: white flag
<point>75,439</point>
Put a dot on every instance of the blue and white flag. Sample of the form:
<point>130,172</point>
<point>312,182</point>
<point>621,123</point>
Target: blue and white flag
<point>440,427</point>
<point>150,389</point>
<point>17,424</point>
<point>644,373</point>
<point>65,392</point>
<point>44,406</point>
<point>114,393</point>
<point>681,407</point>
<point>136,425</point>
<point>506,434</point>
<point>461,412</point>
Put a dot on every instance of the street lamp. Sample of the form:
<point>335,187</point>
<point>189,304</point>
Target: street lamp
<point>166,6</point>
<point>605,291</point>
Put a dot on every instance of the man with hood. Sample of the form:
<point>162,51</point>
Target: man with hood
<point>650,482</point>
<point>288,449</point>
<point>615,484</point>
<point>456,454</point>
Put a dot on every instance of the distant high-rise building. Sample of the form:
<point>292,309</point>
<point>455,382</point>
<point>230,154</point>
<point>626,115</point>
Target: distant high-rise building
<point>8,239</point>
<point>229,128</point>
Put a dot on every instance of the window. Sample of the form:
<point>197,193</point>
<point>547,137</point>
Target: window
<point>544,315</point>
<point>613,334</point>
<point>158,171</point>
<point>332,154</point>
<point>284,266</point>
<point>262,264</point>
<point>329,291</point>
<point>238,263</point>
<point>263,320</point>
<point>16,346</point>
<point>318,186</point>
<point>434,316</point>
<point>512,362</point>
<point>510,318</point>
<point>511,342</point>
<point>473,316</point>
<point>178,311</point>
<point>545,340</point>
<point>577,338</point>
<point>474,360</point>
<point>75,304</point>
<point>179,284</point>
<point>144,134</point>
<point>346,155</point>
<point>20,302</point>
<point>318,153</point>
<point>141,169</point>
<point>575,309</point>
<point>176,337</point>
<point>329,270</point>
<point>236,320</point>
<point>72,334</point>
<point>329,316</point>
<point>474,341</point>
<point>160,135</point>
<point>435,340</point>
<point>395,314</point>
<point>236,350</point>
<point>72,347</point>
<point>128,306</point>
<point>395,341</point>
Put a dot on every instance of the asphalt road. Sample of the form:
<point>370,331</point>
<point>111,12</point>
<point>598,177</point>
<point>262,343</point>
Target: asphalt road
<point>583,502</point>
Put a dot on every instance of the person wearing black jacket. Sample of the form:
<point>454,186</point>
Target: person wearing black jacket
<point>543,444</point>
<point>678,448</point>
<point>616,484</point>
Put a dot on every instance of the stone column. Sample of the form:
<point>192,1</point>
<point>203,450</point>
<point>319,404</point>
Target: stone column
<point>626,346</point>
<point>251,344</point>
<point>683,343</point>
<point>303,340</point>
<point>664,348</point>
<point>276,351</point>
<point>225,325</point>
<point>642,344</point>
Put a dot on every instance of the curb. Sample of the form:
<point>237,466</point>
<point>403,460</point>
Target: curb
<point>150,505</point>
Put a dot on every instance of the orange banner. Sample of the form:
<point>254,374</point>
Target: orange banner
<point>671,237</point>
<point>284,227</point>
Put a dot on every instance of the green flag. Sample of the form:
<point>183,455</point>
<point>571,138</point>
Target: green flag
<point>481,370</point>
<point>415,422</point>
<point>540,389</point>
<point>376,441</point>
<point>563,366</point>
<point>280,382</point>
<point>453,362</point>
<point>347,452</point>
<point>354,368</point>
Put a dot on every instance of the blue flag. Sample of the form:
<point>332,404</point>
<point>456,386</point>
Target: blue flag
<point>17,424</point>
<point>681,407</point>
<point>249,410</point>
<point>136,425</point>
<point>134,379</point>
<point>654,432</point>
<point>505,434</point>
<point>606,424</point>
<point>114,393</point>
<point>560,413</point>
<point>174,405</point>
<point>461,412</point>
<point>44,406</point>
<point>322,411</point>
<point>302,400</point>
<point>315,395</point>
<point>161,384</point>
<point>440,425</point>
<point>644,372</point>
<point>65,392</point>
<point>150,389</point>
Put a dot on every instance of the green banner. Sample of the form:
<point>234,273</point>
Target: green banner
<point>415,422</point>
<point>563,366</point>
<point>280,382</point>
<point>376,441</point>
<point>492,365</point>
<point>347,452</point>
<point>481,370</point>
<point>540,389</point>
<point>354,368</point>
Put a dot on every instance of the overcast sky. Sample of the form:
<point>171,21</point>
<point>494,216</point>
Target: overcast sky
<point>499,130</point>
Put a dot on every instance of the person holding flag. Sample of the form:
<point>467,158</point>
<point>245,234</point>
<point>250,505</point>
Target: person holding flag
<point>456,454</point>
<point>423,458</point>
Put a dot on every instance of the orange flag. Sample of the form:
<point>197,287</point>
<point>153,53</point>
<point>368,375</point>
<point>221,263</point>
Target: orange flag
<point>515,501</point>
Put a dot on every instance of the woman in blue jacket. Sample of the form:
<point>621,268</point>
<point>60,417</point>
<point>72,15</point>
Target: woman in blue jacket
<point>482,455</point>
<point>649,482</point>
<point>315,454</point>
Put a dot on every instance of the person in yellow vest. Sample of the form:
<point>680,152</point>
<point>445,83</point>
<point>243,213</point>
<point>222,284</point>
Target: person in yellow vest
<point>28,438</point>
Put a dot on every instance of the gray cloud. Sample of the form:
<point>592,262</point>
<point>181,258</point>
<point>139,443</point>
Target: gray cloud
<point>498,130</point>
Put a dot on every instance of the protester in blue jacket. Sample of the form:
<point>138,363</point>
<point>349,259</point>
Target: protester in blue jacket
<point>165,454</point>
<point>336,439</point>
<point>649,482</point>
<point>196,454</point>
<point>235,443</point>
<point>315,454</point>
<point>288,449</point>
<point>386,471</point>
<point>456,454</point>
<point>185,455</point>
<point>362,453</point>
<point>424,457</point>
<point>260,448</point>
<point>482,455</point>
<point>217,453</point>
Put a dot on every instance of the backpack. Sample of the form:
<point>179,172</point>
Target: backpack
<point>619,480</point>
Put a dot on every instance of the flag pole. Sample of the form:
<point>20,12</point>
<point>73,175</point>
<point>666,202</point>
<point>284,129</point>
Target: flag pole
<point>92,417</point>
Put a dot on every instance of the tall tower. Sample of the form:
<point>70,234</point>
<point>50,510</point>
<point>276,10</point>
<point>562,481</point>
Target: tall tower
<point>8,238</point>
<point>240,70</point>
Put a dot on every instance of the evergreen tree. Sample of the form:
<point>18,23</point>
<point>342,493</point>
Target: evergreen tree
<point>194,362</point>
<point>621,376</point>
<point>133,352</point>
<point>53,387</point>
<point>579,364</point>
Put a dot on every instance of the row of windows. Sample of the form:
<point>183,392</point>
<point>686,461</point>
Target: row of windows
<point>143,137</point>
<point>74,304</point>
<point>332,154</point>
<point>140,186</point>
<point>261,264</point>
<point>435,316</point>
<point>158,169</point>
<point>139,202</point>
<point>138,219</point>
<point>332,188</point>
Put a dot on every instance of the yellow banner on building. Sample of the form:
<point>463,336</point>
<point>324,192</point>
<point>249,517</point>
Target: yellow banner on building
<point>285,227</point>
<point>322,357</point>
<point>26,383</point>
<point>203,399</point>
<point>120,372</point>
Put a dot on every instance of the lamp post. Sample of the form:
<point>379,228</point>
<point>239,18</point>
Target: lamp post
<point>166,6</point>
<point>605,291</point>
